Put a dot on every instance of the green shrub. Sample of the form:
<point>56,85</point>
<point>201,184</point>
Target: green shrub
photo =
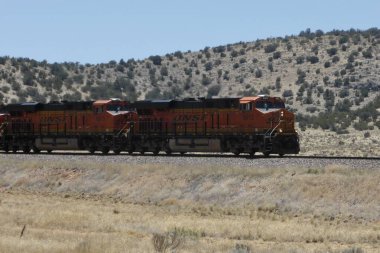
<point>270,67</point>
<point>208,66</point>
<point>213,90</point>
<point>332,51</point>
<point>300,59</point>
<point>367,54</point>
<point>205,80</point>
<point>270,48</point>
<point>312,59</point>
<point>276,55</point>
<point>335,59</point>
<point>287,93</point>
<point>178,54</point>
<point>258,73</point>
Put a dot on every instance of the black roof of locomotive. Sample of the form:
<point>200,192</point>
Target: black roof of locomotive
<point>188,103</point>
<point>52,106</point>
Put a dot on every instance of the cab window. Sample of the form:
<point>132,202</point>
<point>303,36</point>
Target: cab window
<point>264,105</point>
<point>246,107</point>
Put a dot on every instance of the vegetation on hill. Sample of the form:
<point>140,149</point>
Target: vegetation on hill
<point>323,76</point>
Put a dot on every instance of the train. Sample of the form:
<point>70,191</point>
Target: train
<point>219,125</point>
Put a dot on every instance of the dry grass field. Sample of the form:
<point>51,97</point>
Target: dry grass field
<point>329,143</point>
<point>80,206</point>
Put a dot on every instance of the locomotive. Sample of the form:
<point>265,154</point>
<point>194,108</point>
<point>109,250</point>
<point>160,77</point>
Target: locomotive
<point>235,124</point>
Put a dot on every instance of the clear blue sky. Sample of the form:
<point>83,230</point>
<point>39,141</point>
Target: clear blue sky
<point>92,31</point>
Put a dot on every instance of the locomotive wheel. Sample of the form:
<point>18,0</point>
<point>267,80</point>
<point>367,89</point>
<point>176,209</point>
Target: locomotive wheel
<point>281,155</point>
<point>14,149</point>
<point>156,151</point>
<point>36,150</point>
<point>117,151</point>
<point>168,152</point>
<point>92,150</point>
<point>237,153</point>
<point>26,149</point>
<point>182,153</point>
<point>252,153</point>
<point>266,153</point>
<point>6,149</point>
<point>142,152</point>
<point>105,150</point>
<point>49,151</point>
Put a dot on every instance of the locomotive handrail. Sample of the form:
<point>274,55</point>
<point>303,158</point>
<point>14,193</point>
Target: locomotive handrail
<point>2,127</point>
<point>122,129</point>
<point>275,128</point>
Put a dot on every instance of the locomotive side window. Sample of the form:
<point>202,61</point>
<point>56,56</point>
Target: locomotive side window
<point>246,107</point>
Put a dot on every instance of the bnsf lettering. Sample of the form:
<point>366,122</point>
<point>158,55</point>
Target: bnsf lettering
<point>188,117</point>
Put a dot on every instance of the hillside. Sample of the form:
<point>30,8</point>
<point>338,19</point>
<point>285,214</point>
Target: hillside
<point>336,72</point>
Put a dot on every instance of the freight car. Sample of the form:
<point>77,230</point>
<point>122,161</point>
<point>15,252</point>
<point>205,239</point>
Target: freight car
<point>237,125</point>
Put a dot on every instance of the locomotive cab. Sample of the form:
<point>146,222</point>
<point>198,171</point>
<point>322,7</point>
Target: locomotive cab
<point>112,114</point>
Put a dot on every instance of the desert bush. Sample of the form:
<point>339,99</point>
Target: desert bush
<point>258,73</point>
<point>344,93</point>
<point>270,48</point>
<point>234,53</point>
<point>178,54</point>
<point>208,66</point>
<point>168,241</point>
<point>335,59</point>
<point>242,61</point>
<point>301,76</point>
<point>278,83</point>
<point>205,80</point>
<point>213,90</point>
<point>300,59</point>
<point>156,59</point>
<point>58,71</point>
<point>287,93</point>
<point>28,78</point>
<point>332,51</point>
<point>327,64</point>
<point>367,54</point>
<point>219,49</point>
<point>241,248</point>
<point>276,55</point>
<point>343,39</point>
<point>270,67</point>
<point>312,59</point>
<point>164,71</point>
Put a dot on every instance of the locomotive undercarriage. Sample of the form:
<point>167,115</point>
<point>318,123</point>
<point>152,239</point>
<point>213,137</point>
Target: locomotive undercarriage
<point>237,144</point>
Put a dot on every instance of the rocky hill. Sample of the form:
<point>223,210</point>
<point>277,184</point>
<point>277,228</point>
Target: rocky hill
<point>335,72</point>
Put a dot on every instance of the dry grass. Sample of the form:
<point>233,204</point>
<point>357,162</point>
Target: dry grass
<point>95,207</point>
<point>319,142</point>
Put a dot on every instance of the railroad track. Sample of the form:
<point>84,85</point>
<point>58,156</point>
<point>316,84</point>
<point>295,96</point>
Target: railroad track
<point>200,155</point>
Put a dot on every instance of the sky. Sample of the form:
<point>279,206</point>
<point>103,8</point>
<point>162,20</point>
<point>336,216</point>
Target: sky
<point>97,31</point>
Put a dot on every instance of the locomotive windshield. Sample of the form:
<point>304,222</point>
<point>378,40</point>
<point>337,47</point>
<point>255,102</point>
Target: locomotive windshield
<point>269,105</point>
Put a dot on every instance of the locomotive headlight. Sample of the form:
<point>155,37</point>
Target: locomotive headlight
<point>280,130</point>
<point>282,114</point>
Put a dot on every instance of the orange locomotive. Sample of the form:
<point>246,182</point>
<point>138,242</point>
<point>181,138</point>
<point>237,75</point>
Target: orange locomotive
<point>237,125</point>
<point>65,126</point>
